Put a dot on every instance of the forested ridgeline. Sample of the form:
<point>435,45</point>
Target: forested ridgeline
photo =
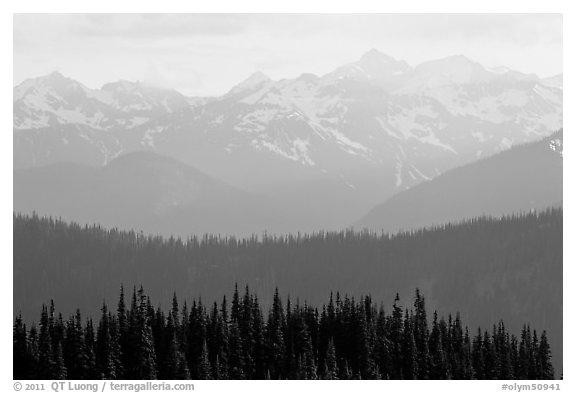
<point>345,339</point>
<point>486,268</point>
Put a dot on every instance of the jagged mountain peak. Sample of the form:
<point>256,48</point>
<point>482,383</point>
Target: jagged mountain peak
<point>122,87</point>
<point>378,64</point>
<point>258,76</point>
<point>57,79</point>
<point>308,77</point>
<point>374,56</point>
<point>54,81</point>
<point>55,76</point>
<point>55,99</point>
<point>448,71</point>
<point>251,83</point>
<point>373,65</point>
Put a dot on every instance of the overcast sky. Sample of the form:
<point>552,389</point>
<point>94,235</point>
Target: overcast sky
<point>206,54</point>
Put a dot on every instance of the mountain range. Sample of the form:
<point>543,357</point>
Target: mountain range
<point>326,149</point>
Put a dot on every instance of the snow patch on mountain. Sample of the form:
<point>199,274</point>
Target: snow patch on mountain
<point>422,176</point>
<point>353,147</point>
<point>505,143</point>
<point>554,97</point>
<point>257,120</point>
<point>480,137</point>
<point>295,150</point>
<point>398,171</point>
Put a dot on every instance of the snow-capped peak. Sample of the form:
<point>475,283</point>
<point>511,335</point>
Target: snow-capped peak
<point>380,65</point>
<point>22,89</point>
<point>59,82</point>
<point>452,70</point>
<point>373,65</point>
<point>54,81</point>
<point>55,100</point>
<point>374,56</point>
<point>254,81</point>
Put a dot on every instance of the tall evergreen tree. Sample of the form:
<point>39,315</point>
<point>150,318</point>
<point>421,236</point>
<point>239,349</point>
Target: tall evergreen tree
<point>478,355</point>
<point>59,371</point>
<point>236,355</point>
<point>439,368</point>
<point>21,357</point>
<point>33,350</point>
<point>204,369</point>
<point>275,337</point>
<point>90,352</point>
<point>143,365</point>
<point>74,352</point>
<point>409,351</point>
<point>421,336</point>
<point>45,353</point>
<point>330,364</point>
<point>545,369</point>
<point>396,333</point>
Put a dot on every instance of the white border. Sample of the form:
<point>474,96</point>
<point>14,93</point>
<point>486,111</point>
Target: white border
<point>243,6</point>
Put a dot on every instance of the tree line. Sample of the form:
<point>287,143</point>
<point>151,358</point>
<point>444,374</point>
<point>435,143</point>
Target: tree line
<point>344,339</point>
<point>514,258</point>
<point>487,268</point>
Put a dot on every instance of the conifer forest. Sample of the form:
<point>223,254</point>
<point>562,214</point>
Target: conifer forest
<point>345,339</point>
<point>258,333</point>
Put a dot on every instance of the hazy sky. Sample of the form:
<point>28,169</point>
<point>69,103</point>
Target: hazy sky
<point>206,54</point>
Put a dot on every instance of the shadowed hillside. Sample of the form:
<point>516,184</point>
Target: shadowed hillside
<point>520,179</point>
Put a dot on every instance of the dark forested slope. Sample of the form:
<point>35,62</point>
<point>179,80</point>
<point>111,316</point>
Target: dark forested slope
<point>487,269</point>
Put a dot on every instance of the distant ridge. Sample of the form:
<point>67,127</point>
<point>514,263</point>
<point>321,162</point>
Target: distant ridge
<point>143,191</point>
<point>524,178</point>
